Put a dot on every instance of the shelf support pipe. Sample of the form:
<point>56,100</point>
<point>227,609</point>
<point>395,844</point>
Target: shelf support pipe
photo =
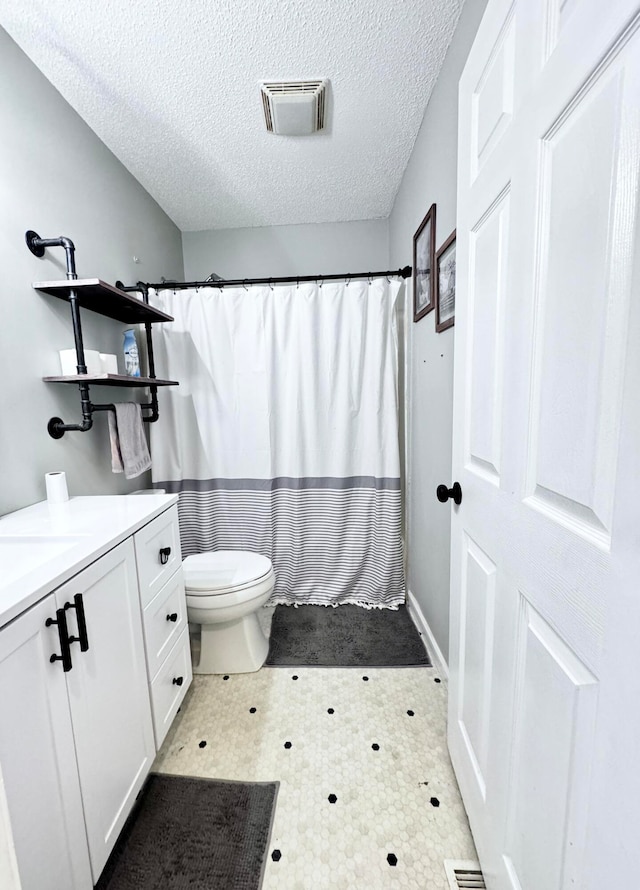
<point>143,288</point>
<point>150,418</point>
<point>37,245</point>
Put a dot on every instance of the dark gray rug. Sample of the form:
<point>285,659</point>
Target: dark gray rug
<point>193,834</point>
<point>347,636</point>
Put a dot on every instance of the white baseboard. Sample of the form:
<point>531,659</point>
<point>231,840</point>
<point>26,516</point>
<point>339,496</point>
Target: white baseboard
<point>432,647</point>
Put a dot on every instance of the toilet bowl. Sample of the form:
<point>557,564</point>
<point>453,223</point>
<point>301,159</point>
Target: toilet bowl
<point>224,590</point>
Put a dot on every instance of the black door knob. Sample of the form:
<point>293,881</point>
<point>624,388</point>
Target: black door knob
<point>443,493</point>
<point>178,681</point>
<point>172,617</point>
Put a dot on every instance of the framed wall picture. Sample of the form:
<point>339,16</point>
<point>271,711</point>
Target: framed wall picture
<point>424,254</point>
<point>446,284</point>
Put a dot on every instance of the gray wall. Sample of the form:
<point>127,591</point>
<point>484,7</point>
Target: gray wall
<point>329,248</point>
<point>431,177</point>
<point>58,178</point>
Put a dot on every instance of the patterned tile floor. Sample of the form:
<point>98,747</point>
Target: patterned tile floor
<point>367,794</point>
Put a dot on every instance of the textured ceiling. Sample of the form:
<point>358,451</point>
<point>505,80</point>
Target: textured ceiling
<point>172,89</point>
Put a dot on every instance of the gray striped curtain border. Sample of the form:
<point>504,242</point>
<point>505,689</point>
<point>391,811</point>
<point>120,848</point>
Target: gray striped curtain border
<point>331,540</point>
<point>313,482</point>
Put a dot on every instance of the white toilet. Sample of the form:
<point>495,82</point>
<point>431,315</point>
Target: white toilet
<point>225,589</point>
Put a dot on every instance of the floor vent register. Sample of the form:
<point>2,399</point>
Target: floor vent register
<point>464,875</point>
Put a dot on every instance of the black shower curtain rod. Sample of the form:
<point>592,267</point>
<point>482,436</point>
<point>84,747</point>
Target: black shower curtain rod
<point>244,282</point>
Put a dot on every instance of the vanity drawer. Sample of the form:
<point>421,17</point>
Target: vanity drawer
<point>170,686</point>
<point>157,553</point>
<point>164,620</point>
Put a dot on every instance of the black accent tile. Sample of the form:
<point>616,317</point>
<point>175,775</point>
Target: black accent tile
<point>287,745</point>
<point>202,744</point>
<point>276,855</point>
<point>295,677</point>
<point>226,677</point>
<point>437,680</point>
<point>376,746</point>
<point>365,678</point>
<point>411,713</point>
<point>332,798</point>
<point>434,802</point>
<point>330,711</point>
<point>252,710</point>
<point>392,859</point>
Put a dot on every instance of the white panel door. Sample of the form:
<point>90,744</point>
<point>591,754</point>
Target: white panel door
<point>38,758</point>
<point>108,695</point>
<point>546,542</point>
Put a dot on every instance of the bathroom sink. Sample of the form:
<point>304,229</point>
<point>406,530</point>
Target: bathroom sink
<point>21,555</point>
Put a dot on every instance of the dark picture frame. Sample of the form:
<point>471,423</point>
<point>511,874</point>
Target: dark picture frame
<point>446,284</point>
<point>424,256</point>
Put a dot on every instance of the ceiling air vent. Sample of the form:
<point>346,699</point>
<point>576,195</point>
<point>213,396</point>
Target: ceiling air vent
<point>464,875</point>
<point>294,108</point>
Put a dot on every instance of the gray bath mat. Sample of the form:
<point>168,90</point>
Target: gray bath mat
<point>193,834</point>
<point>347,636</point>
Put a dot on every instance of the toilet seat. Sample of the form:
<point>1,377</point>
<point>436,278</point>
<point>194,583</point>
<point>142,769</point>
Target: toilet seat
<point>225,572</point>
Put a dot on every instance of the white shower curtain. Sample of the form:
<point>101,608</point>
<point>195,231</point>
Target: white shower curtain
<point>282,437</point>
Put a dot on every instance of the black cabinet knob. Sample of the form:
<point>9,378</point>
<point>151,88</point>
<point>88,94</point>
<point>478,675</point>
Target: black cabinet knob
<point>455,492</point>
<point>165,553</point>
<point>178,681</point>
<point>172,617</point>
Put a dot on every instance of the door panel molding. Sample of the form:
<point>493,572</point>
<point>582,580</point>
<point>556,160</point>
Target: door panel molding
<point>492,99</point>
<point>555,697</point>
<point>488,241</point>
<point>577,379</point>
<point>477,611</point>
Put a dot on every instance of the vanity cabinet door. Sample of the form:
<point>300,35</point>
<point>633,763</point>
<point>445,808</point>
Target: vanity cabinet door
<point>108,695</point>
<point>37,756</point>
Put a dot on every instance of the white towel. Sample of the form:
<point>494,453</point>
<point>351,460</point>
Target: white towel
<point>129,449</point>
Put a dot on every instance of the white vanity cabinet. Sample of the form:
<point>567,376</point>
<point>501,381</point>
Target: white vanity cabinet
<point>38,758</point>
<point>77,733</point>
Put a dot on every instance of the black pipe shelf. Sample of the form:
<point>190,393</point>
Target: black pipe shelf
<point>111,380</point>
<point>104,299</point>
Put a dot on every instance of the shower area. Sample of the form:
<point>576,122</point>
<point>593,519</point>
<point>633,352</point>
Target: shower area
<point>284,438</point>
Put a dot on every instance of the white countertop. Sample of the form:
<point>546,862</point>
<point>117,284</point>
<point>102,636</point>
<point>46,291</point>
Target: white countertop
<point>44,545</point>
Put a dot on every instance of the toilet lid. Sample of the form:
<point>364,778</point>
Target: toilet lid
<point>223,569</point>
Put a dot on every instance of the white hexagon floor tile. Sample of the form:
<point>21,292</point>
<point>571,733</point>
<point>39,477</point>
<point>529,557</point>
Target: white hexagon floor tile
<point>367,796</point>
